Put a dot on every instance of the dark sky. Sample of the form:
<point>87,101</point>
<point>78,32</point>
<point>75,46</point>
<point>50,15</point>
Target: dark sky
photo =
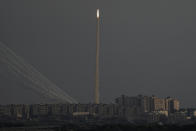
<point>147,47</point>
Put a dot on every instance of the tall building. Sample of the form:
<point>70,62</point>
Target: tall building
<point>145,103</point>
<point>172,104</point>
<point>39,109</point>
<point>5,110</point>
<point>140,102</point>
<point>157,104</point>
<point>20,111</point>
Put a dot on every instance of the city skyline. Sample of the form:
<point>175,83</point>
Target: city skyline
<point>145,50</point>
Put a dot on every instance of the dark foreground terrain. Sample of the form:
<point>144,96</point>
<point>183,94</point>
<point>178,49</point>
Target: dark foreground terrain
<point>12,126</point>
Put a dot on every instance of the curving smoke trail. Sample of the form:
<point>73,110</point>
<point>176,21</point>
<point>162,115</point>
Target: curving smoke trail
<point>33,78</point>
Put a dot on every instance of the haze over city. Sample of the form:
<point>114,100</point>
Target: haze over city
<point>147,47</point>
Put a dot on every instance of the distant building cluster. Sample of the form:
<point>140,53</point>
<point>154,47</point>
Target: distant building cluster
<point>151,108</point>
<point>149,103</point>
<point>137,108</point>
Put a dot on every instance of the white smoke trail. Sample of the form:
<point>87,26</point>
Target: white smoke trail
<point>36,86</point>
<point>38,74</point>
<point>18,71</point>
<point>37,80</point>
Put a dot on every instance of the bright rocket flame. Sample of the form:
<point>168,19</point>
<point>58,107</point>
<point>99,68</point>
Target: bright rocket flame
<point>97,13</point>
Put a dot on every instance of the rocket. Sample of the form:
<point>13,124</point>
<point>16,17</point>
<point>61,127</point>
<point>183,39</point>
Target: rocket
<point>97,13</point>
